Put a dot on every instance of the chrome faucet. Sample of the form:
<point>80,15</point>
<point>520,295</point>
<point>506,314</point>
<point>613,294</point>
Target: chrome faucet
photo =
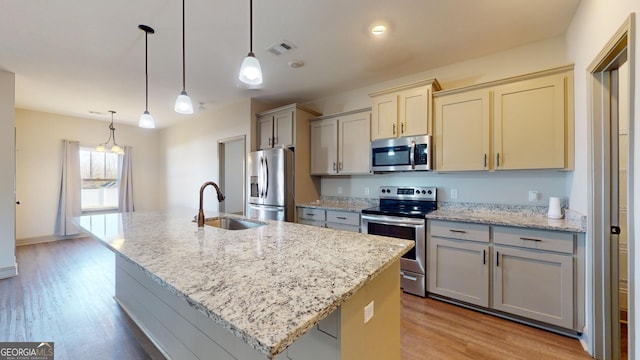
<point>200,210</point>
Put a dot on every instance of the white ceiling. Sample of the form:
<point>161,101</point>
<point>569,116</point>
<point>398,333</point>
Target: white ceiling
<point>72,57</point>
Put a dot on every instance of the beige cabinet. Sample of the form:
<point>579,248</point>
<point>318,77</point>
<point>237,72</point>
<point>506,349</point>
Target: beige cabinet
<point>461,131</point>
<point>331,219</point>
<point>519,123</point>
<point>402,111</point>
<point>340,144</point>
<point>276,129</point>
<point>529,124</point>
<point>533,274</point>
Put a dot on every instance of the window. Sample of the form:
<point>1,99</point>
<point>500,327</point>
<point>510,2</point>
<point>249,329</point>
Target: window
<point>99,172</point>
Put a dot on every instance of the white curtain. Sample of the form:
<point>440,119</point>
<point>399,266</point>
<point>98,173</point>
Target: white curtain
<point>70,188</point>
<point>125,197</point>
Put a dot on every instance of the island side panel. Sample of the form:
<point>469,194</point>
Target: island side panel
<point>177,329</point>
<point>379,338</point>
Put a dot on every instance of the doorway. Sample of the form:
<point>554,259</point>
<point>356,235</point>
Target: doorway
<point>610,187</point>
<point>231,162</point>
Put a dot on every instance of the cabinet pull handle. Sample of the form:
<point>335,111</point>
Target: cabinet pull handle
<point>458,231</point>
<point>530,239</point>
<point>485,161</point>
<point>497,258</point>
<point>275,140</point>
<point>340,165</point>
<point>401,128</point>
<point>498,160</point>
<point>310,214</point>
<point>341,217</point>
<point>484,257</point>
<point>334,166</point>
<point>394,129</point>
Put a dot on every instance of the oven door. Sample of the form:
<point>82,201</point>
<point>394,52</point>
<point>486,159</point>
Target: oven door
<point>401,228</point>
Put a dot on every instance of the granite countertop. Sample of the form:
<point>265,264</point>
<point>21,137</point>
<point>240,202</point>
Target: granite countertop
<point>267,285</point>
<point>336,205</point>
<point>508,218</point>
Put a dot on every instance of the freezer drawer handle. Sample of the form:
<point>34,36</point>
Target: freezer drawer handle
<point>409,277</point>
<point>530,239</point>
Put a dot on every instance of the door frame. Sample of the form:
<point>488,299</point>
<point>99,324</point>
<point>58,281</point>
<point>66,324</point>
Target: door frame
<point>221,168</point>
<point>601,287</point>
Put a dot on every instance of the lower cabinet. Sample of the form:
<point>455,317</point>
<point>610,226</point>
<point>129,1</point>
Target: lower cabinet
<point>534,274</point>
<point>331,219</point>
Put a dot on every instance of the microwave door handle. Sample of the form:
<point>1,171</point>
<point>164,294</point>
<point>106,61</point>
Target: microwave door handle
<point>412,155</point>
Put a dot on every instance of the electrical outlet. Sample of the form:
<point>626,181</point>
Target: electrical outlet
<point>533,195</point>
<point>454,194</point>
<point>368,312</point>
<point>339,190</point>
<point>366,190</point>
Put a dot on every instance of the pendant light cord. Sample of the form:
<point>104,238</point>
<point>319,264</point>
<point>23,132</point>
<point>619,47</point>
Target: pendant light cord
<point>184,81</point>
<point>146,73</point>
<point>251,26</point>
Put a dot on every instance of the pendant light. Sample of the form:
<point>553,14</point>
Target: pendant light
<point>250,71</point>
<point>146,120</point>
<point>183,102</point>
<point>115,148</point>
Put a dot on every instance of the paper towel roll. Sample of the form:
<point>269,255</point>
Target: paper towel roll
<point>555,212</point>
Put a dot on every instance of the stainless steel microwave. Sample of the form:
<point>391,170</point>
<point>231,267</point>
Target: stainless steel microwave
<point>402,154</point>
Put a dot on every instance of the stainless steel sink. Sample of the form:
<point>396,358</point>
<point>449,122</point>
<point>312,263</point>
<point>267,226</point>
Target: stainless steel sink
<point>232,223</point>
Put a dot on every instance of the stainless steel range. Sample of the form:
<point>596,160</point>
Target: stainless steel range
<point>401,214</point>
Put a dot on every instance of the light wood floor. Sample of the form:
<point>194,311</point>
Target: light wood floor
<point>64,294</point>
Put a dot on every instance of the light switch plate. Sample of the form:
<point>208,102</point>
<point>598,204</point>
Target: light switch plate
<point>339,190</point>
<point>368,312</point>
<point>454,194</point>
<point>533,195</point>
<point>366,190</point>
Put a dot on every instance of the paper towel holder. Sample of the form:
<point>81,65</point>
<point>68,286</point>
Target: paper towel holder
<point>555,209</point>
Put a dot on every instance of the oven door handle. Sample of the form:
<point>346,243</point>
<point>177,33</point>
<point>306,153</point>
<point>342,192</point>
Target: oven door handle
<point>387,220</point>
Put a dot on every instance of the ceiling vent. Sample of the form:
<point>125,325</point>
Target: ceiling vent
<point>281,48</point>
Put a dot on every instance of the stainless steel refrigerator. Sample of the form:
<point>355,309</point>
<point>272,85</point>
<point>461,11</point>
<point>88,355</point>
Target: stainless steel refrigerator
<point>271,185</point>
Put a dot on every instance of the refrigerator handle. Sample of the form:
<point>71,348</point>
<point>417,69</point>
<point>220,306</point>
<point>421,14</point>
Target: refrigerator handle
<point>266,170</point>
<point>261,177</point>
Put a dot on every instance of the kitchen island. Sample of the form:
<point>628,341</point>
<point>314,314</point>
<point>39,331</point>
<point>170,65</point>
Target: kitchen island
<point>281,290</point>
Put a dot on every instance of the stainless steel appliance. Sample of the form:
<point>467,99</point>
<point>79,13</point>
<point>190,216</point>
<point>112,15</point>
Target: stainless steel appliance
<point>401,154</point>
<point>271,185</point>
<point>401,214</point>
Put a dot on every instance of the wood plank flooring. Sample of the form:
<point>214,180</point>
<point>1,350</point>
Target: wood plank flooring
<point>64,293</point>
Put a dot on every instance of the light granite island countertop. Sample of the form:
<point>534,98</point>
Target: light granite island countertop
<point>267,286</point>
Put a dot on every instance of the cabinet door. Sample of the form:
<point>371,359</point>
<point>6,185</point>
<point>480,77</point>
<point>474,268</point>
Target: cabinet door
<point>459,270</point>
<point>283,129</point>
<point>535,285</point>
<point>414,110</point>
<point>384,123</point>
<point>529,124</point>
<point>461,132</point>
<point>353,149</point>
<point>265,132</point>
<point>324,147</point>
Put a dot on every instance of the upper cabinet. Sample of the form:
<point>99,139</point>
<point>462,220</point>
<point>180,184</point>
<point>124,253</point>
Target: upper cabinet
<point>278,127</point>
<point>402,111</point>
<point>340,144</point>
<point>520,123</point>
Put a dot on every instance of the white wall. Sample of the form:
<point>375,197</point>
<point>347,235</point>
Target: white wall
<point>7,188</point>
<point>191,150</point>
<point>234,168</point>
<point>594,23</point>
<point>484,187</point>
<point>39,138</point>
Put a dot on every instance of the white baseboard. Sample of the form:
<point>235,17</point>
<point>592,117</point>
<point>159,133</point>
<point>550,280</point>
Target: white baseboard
<point>584,341</point>
<point>47,238</point>
<point>8,272</point>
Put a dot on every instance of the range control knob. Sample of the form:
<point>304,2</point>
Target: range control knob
<point>423,192</point>
<point>429,192</point>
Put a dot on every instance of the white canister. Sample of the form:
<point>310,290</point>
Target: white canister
<point>555,212</point>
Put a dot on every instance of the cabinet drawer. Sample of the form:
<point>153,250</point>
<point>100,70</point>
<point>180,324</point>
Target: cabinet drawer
<point>459,230</point>
<point>311,222</point>
<point>311,214</point>
<point>344,227</point>
<point>534,239</point>
<point>343,217</point>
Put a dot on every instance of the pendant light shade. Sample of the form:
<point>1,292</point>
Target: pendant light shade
<point>146,120</point>
<point>183,102</point>
<point>115,148</point>
<point>250,71</point>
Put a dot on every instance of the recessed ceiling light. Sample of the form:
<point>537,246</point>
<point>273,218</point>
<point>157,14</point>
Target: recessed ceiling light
<point>378,30</point>
<point>296,64</point>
